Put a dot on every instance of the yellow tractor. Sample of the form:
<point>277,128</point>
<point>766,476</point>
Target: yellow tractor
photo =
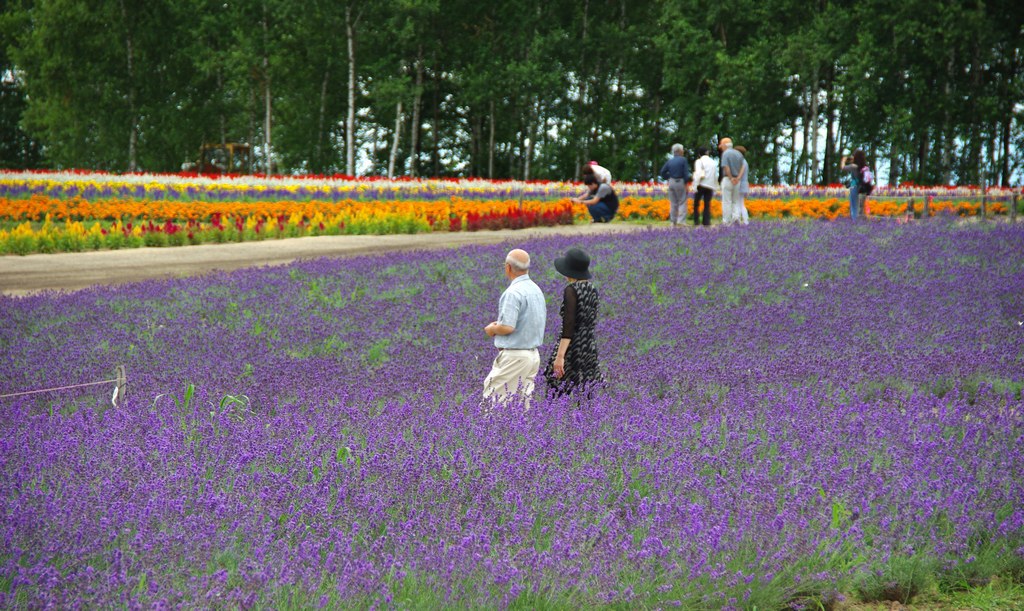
<point>227,158</point>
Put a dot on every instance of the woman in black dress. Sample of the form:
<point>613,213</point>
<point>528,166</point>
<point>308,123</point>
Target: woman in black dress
<point>573,364</point>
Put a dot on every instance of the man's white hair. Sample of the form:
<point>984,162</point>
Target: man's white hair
<point>677,149</point>
<point>516,264</point>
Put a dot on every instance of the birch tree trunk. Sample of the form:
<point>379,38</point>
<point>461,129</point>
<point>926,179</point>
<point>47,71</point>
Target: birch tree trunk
<point>378,142</point>
<point>802,176</point>
<point>655,138</point>
<point>1008,115</point>
<point>975,146</point>
<point>414,129</point>
<point>776,172</point>
<point>318,151</point>
<point>393,155</point>
<point>435,132</point>
<point>947,138</point>
<point>350,116</point>
<point>793,157</point>
<point>830,124</point>
<point>267,110</point>
<point>490,144</point>
<point>133,127</point>
<point>530,123</point>
<point>267,124</point>
<point>815,124</point>
<point>253,103</point>
<point>584,144</point>
<point>1004,164</point>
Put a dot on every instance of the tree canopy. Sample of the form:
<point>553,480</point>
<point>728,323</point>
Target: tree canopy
<point>526,89</point>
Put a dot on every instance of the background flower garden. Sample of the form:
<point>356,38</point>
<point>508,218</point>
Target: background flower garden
<point>58,212</point>
<point>796,412</point>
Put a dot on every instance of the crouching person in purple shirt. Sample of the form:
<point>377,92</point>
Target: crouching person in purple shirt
<point>517,333</point>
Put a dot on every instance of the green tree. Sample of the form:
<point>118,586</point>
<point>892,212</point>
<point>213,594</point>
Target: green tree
<point>312,101</point>
<point>100,80</point>
<point>519,88</point>
<point>17,149</point>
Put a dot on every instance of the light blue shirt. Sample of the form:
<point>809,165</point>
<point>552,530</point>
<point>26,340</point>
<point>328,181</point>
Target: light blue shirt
<point>522,306</point>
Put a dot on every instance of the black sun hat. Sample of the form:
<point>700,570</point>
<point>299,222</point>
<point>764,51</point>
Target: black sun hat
<point>575,264</point>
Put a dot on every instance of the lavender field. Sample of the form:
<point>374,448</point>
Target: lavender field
<point>795,411</point>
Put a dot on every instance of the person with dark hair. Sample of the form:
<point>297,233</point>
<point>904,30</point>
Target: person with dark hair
<point>855,169</point>
<point>677,172</point>
<point>602,202</point>
<point>866,184</point>
<point>573,365</point>
<point>705,176</point>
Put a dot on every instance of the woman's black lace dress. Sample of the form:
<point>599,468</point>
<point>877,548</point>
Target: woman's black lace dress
<point>579,317</point>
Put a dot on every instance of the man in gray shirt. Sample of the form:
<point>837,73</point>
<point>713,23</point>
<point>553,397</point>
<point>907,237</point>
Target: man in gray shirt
<point>602,202</point>
<point>732,168</point>
<point>517,333</point>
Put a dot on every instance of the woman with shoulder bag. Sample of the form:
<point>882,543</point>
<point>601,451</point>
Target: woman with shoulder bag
<point>865,186</point>
<point>858,191</point>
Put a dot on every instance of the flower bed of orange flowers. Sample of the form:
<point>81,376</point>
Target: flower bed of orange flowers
<point>71,213</point>
<point>46,224</point>
<point>829,208</point>
<point>37,207</point>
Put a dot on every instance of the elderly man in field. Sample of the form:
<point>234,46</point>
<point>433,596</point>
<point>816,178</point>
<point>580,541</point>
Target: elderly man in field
<point>517,333</point>
<point>676,172</point>
<point>732,167</point>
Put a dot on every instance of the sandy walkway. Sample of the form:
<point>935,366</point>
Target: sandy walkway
<point>70,271</point>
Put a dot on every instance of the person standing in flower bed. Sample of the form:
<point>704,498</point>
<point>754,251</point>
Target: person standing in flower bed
<point>866,186</point>
<point>851,180</point>
<point>744,186</point>
<point>677,172</point>
<point>732,168</point>
<point>705,176</point>
<point>860,181</point>
<point>517,333</point>
<point>573,364</point>
<point>602,203</point>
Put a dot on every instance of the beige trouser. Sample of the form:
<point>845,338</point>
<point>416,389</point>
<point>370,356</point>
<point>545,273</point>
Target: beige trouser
<point>513,372</point>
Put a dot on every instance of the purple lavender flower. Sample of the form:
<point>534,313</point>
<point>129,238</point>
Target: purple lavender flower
<point>312,433</point>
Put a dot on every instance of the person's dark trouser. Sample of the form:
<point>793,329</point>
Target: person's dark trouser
<point>600,212</point>
<point>705,194</point>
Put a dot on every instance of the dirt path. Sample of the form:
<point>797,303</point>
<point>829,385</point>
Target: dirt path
<point>71,271</point>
